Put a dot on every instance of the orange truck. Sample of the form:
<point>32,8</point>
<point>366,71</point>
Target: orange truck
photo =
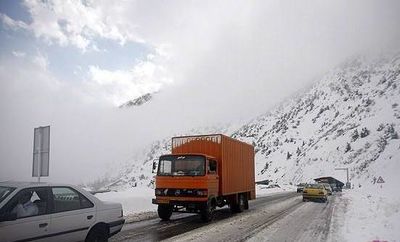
<point>203,172</point>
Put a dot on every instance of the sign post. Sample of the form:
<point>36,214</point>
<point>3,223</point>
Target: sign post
<point>348,184</point>
<point>41,152</point>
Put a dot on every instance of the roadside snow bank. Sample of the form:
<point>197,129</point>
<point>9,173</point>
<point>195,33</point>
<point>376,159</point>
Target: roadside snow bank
<point>134,200</point>
<point>371,215</point>
<point>265,190</point>
<point>371,211</point>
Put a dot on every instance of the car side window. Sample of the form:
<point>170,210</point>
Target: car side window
<point>67,199</point>
<point>29,202</point>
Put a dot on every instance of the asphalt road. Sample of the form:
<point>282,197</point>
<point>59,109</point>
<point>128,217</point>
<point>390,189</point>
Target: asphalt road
<point>307,220</point>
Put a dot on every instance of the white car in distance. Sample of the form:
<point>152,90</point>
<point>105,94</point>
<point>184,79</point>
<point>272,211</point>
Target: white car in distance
<point>55,212</point>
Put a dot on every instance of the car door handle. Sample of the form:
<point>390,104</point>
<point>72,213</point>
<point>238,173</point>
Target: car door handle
<point>43,225</point>
<point>89,217</point>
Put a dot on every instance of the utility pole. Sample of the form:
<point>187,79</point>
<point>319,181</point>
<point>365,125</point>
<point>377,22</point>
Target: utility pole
<point>348,185</point>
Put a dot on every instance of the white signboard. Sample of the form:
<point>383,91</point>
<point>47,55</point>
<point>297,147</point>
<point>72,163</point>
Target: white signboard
<point>41,151</point>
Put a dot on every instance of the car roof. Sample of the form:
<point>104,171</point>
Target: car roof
<point>25,184</point>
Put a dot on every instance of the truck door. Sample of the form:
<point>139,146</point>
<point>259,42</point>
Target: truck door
<point>213,178</point>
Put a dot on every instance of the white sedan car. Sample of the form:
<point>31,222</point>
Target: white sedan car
<point>55,212</point>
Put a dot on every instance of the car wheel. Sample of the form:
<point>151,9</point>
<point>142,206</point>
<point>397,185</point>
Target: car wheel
<point>98,233</point>
<point>164,212</point>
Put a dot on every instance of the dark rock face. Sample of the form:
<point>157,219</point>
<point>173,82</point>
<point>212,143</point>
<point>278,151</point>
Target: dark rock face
<point>138,101</point>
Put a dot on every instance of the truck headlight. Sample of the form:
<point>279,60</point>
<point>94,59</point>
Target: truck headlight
<point>201,192</point>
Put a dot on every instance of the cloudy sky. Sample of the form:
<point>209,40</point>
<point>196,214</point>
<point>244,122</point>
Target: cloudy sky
<point>69,64</point>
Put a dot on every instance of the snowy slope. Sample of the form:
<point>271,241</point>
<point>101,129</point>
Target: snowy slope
<point>350,118</point>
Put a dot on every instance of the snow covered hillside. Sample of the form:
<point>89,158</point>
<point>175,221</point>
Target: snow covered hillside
<point>350,118</point>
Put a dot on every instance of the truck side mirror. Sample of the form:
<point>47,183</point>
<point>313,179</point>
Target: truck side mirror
<point>154,170</point>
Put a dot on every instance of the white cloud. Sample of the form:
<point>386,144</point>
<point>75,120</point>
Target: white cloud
<point>11,23</point>
<point>120,86</point>
<point>41,60</point>
<point>19,54</point>
<point>82,134</point>
<point>75,23</point>
<point>260,51</point>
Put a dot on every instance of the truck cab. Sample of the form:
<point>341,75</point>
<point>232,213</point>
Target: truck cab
<point>186,183</point>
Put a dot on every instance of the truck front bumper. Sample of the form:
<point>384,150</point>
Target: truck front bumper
<point>178,200</point>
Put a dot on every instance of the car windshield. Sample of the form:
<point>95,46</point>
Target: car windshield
<point>5,191</point>
<point>315,186</point>
<point>181,165</point>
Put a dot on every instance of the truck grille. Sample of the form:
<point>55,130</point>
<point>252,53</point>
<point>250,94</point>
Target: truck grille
<point>171,192</point>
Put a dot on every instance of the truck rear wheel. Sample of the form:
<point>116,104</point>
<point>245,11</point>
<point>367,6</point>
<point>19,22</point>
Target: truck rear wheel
<point>242,203</point>
<point>237,206</point>
<point>164,212</point>
<point>246,201</point>
<point>207,213</point>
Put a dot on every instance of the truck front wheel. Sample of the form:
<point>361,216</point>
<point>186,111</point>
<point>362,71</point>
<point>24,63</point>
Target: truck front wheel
<point>164,212</point>
<point>207,213</point>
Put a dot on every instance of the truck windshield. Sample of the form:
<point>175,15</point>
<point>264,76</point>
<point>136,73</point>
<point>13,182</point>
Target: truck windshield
<point>181,165</point>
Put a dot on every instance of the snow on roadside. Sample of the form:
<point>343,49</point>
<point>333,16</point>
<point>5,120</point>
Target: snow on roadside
<point>366,215</point>
<point>372,215</point>
<point>371,211</point>
<point>265,190</point>
<point>134,200</point>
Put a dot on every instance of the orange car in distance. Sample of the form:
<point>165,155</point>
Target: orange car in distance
<point>203,172</point>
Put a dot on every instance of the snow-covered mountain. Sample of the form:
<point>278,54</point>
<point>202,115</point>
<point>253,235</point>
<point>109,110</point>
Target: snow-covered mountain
<point>350,118</point>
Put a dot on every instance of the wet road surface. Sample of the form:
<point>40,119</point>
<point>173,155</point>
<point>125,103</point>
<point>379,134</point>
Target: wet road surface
<point>156,230</point>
